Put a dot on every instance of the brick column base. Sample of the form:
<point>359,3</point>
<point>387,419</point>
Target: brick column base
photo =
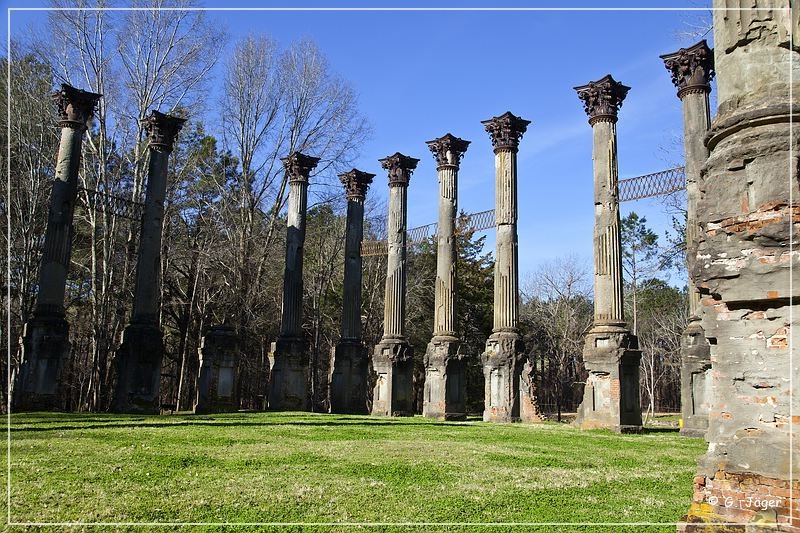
<point>727,501</point>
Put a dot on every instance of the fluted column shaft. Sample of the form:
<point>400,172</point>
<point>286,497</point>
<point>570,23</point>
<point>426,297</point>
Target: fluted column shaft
<point>298,167</point>
<point>602,100</point>
<point>148,266</point>
<point>139,358</point>
<point>611,355</point>
<point>163,131</point>
<point>444,393</point>
<point>349,378</point>
<point>445,290</point>
<point>392,360</point>
<point>395,297</point>
<point>608,298</point>
<point>696,123</point>
<point>506,271</point>
<point>351,296</point>
<point>291,378</point>
<point>58,235</point>
<point>76,107</point>
<point>45,346</point>
<point>292,309</point>
<point>509,392</point>
<point>692,69</point>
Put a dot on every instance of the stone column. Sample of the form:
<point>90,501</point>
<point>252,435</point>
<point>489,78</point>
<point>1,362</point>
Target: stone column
<point>218,376</point>
<point>350,368</point>
<point>611,354</point>
<point>45,337</point>
<point>504,357</point>
<point>138,361</point>
<point>393,393</point>
<point>445,369</point>
<point>692,70</point>
<point>748,208</point>
<point>289,357</point>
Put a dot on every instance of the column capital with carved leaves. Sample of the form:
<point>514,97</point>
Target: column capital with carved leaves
<point>602,99</point>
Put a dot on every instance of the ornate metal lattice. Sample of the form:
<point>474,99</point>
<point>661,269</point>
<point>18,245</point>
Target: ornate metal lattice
<point>472,222</point>
<point>656,184</point>
<point>478,221</point>
<point>420,233</point>
<point>116,205</point>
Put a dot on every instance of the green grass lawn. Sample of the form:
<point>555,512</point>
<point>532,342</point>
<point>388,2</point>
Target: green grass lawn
<point>301,467</point>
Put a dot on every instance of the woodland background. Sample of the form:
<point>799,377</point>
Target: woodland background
<point>224,231</point>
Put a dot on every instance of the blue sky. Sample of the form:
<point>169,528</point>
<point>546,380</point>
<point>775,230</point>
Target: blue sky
<point>421,74</point>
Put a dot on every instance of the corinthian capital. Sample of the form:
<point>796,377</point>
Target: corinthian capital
<point>692,68</point>
<point>448,150</point>
<point>602,99</point>
<point>75,106</point>
<point>506,131</point>
<point>356,183</point>
<point>299,166</point>
<point>162,130</point>
<point>400,167</point>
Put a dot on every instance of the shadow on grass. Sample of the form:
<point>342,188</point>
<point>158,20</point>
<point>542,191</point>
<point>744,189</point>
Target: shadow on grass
<point>212,423</point>
<point>649,430</point>
<point>66,419</point>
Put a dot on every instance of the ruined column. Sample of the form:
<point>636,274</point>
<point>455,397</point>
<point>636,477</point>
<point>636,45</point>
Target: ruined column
<point>748,207</point>
<point>138,361</point>
<point>445,370</point>
<point>350,368</point>
<point>504,357</point>
<point>218,375</point>
<point>393,393</point>
<point>611,352</point>
<point>45,337</point>
<point>289,357</point>
<point>692,70</point>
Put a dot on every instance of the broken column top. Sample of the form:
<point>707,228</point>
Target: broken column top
<point>399,167</point>
<point>602,99</point>
<point>162,130</point>
<point>506,130</point>
<point>75,106</point>
<point>448,150</point>
<point>299,166</point>
<point>692,68</point>
<point>356,183</point>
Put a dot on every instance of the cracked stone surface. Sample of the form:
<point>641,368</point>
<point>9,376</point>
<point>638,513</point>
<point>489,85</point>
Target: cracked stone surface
<point>742,271</point>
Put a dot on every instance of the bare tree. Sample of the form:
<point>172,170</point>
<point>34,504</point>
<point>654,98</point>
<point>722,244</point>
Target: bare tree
<point>165,58</point>
<point>639,257</point>
<point>277,102</point>
<point>78,45</point>
<point>696,24</point>
<point>33,143</point>
<point>252,102</point>
<point>138,60</point>
<point>556,312</point>
<point>664,315</point>
<point>191,235</point>
<point>319,116</point>
<point>323,273</point>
